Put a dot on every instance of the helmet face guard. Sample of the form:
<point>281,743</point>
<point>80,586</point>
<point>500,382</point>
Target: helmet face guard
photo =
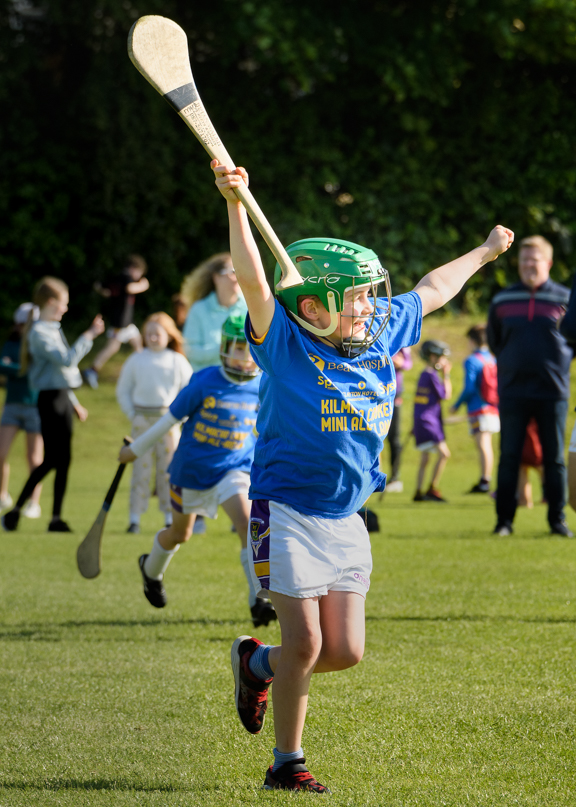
<point>237,361</point>
<point>335,271</point>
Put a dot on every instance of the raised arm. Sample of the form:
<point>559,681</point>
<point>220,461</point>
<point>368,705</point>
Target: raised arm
<point>245,255</point>
<point>442,284</point>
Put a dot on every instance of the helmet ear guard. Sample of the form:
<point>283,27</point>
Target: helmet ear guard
<point>332,310</point>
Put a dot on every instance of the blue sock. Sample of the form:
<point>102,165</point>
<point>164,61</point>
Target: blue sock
<point>281,759</point>
<point>258,663</point>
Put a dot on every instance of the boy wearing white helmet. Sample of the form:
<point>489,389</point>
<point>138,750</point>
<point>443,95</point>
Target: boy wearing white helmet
<point>326,401</point>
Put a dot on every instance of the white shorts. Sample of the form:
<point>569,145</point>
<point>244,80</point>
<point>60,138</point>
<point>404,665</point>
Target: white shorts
<point>572,446</point>
<point>205,502</point>
<point>123,335</point>
<point>487,422</point>
<point>429,446</point>
<point>305,556</point>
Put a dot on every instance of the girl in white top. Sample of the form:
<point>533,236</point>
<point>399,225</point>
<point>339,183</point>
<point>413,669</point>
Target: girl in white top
<point>148,383</point>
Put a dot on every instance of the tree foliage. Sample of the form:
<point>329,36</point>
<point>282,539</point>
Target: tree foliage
<point>411,127</point>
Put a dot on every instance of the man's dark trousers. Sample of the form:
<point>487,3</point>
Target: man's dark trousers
<point>550,416</point>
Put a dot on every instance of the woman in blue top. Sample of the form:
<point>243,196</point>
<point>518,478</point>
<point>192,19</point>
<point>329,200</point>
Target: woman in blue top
<point>326,402</point>
<point>213,294</point>
<point>52,367</point>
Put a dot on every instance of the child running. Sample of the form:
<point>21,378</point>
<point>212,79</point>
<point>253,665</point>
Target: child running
<point>326,401</point>
<point>52,367</point>
<point>149,381</point>
<point>428,426</point>
<point>481,399</point>
<point>212,462</point>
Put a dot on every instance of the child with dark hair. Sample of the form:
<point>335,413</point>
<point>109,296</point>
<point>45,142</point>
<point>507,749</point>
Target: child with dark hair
<point>428,427</point>
<point>120,292</point>
<point>480,394</point>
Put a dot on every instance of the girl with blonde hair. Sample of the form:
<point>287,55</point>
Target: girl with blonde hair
<point>213,294</point>
<point>149,381</point>
<point>52,367</point>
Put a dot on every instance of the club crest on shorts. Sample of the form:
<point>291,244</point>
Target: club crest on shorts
<point>256,538</point>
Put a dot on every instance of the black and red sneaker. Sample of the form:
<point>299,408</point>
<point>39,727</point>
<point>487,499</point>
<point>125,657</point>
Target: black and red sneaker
<point>293,776</point>
<point>434,495</point>
<point>250,693</point>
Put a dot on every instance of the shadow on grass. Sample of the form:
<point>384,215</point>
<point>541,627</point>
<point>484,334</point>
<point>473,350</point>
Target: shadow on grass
<point>49,632</point>
<point>537,620</point>
<point>90,784</point>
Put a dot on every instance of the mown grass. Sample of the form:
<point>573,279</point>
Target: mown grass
<point>465,695</point>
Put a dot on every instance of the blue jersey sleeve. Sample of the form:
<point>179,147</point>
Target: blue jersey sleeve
<point>188,400</point>
<point>405,321</point>
<point>276,353</point>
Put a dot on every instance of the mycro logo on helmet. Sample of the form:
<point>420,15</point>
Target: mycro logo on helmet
<point>327,279</point>
<point>320,363</point>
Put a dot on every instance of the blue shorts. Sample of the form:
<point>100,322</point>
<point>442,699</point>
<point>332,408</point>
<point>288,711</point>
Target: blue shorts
<point>23,416</point>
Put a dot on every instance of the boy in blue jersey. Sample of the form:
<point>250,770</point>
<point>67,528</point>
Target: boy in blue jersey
<point>482,414</point>
<point>212,462</point>
<point>326,401</point>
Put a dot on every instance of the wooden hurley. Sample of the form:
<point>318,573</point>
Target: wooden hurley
<point>158,48</point>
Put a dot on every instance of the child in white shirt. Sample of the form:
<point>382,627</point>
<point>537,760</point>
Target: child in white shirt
<point>148,383</point>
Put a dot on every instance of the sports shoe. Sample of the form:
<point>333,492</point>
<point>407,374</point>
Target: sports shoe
<point>90,376</point>
<point>503,530</point>
<point>154,591</point>
<point>6,502</point>
<point>293,776</point>
<point>199,527</point>
<point>480,487</point>
<point>10,520</point>
<point>418,497</point>
<point>57,525</point>
<point>134,528</point>
<point>250,693</point>
<point>396,486</point>
<point>31,510</point>
<point>434,495</point>
<point>561,528</point>
<point>262,612</point>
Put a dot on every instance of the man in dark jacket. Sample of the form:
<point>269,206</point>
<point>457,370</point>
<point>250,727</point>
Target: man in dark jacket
<point>533,379</point>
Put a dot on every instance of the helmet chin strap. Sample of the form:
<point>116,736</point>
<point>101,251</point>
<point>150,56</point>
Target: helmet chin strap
<point>333,319</point>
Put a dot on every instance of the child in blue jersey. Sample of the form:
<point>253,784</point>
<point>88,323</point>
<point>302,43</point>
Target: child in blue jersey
<point>482,415</point>
<point>212,462</point>
<point>326,402</point>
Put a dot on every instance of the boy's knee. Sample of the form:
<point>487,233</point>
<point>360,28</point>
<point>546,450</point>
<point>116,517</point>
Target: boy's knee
<point>345,657</point>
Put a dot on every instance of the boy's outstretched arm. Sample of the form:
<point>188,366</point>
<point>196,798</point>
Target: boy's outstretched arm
<point>245,255</point>
<point>442,284</point>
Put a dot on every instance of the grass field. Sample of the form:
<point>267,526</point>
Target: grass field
<point>465,694</point>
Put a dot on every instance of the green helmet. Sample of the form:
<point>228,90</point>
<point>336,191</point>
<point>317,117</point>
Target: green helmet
<point>233,337</point>
<point>329,267</point>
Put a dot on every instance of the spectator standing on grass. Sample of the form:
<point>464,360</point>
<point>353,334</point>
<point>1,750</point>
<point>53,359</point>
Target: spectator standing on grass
<point>402,362</point>
<point>434,386</point>
<point>20,413</point>
<point>120,293</point>
<point>480,394</point>
<point>148,383</point>
<point>533,379</point>
<point>52,367</point>
<point>213,294</point>
<point>568,330</point>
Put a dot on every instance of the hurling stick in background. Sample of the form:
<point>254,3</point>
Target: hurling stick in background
<point>158,48</point>
<point>88,555</point>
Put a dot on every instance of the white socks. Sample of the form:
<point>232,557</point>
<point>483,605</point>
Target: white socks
<point>158,560</point>
<point>135,518</point>
<point>245,560</point>
<point>168,519</point>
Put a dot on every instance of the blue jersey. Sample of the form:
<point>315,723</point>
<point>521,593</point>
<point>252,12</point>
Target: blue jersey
<point>219,434</point>
<point>324,417</point>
